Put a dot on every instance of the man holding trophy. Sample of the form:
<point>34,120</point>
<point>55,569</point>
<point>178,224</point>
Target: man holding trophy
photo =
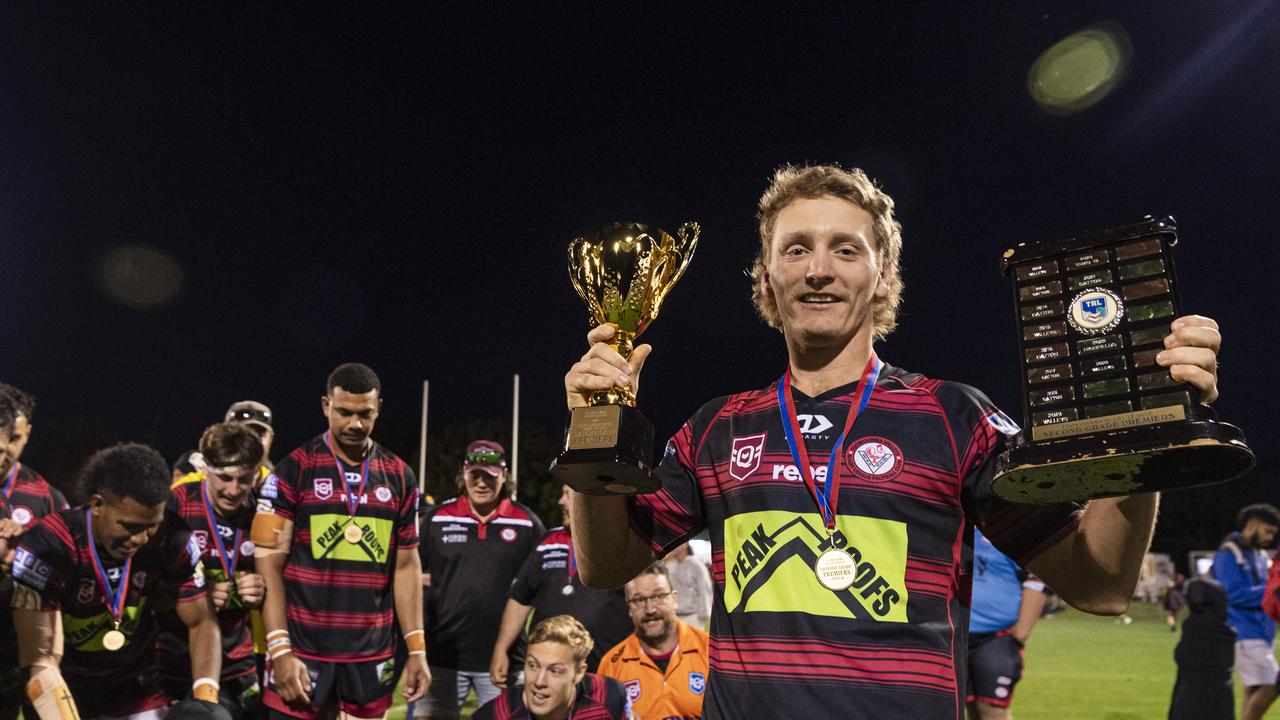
<point>840,499</point>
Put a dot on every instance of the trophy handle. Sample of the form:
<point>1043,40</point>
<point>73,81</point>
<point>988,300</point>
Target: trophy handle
<point>688,235</point>
<point>582,267</point>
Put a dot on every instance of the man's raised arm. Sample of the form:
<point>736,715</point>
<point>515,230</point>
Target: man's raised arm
<point>608,551</point>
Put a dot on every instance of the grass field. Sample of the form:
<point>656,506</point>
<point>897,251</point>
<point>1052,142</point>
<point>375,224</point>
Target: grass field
<point>1082,667</point>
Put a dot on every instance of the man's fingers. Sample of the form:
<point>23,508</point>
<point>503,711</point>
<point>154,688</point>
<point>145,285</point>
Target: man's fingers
<point>1201,357</point>
<point>600,334</point>
<point>1202,380</point>
<point>1194,336</point>
<point>1194,321</point>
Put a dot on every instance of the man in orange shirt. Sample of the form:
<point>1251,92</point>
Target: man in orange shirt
<point>663,664</point>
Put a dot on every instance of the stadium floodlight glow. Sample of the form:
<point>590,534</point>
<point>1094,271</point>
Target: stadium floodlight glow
<point>140,276</point>
<point>1078,71</point>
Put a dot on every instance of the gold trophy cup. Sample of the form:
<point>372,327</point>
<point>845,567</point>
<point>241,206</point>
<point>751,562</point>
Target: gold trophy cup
<point>623,273</point>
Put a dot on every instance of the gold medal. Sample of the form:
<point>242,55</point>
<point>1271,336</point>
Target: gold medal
<point>353,533</point>
<point>835,570</point>
<point>113,640</point>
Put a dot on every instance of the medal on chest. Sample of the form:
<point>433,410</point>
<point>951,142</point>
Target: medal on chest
<point>353,532</point>
<point>834,569</point>
<point>114,595</point>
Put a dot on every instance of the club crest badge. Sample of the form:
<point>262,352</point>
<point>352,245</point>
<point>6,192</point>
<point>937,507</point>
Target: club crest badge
<point>697,683</point>
<point>874,459</point>
<point>508,534</point>
<point>324,488</point>
<point>633,690</point>
<point>383,493</point>
<point>22,515</point>
<point>745,456</point>
<point>246,548</point>
<point>1095,311</point>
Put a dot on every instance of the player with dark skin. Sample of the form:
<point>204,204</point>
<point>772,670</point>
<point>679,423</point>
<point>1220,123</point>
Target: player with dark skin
<point>351,418</point>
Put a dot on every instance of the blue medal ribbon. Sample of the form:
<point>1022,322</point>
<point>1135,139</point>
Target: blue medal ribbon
<point>227,559</point>
<point>353,501</point>
<point>827,495</point>
<point>116,595</point>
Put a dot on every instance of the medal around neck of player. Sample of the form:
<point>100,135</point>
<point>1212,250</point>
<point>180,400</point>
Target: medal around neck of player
<point>622,273</point>
<point>835,570</point>
<point>1101,417</point>
<point>114,595</point>
<point>353,532</point>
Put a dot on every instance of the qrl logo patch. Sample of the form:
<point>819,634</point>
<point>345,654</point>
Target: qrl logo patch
<point>745,457</point>
<point>88,589</point>
<point>324,488</point>
<point>875,459</point>
<point>697,683</point>
<point>633,690</point>
<point>201,539</point>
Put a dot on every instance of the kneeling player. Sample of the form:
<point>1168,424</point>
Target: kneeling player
<point>86,580</point>
<point>556,681</point>
<point>219,511</point>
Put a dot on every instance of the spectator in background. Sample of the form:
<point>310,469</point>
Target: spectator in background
<point>1241,566</point>
<point>474,546</point>
<point>548,585</point>
<point>692,582</point>
<point>557,685</point>
<point>25,496</point>
<point>663,665</point>
<point>1174,601</point>
<point>184,471</point>
<point>1204,656</point>
<point>1005,606</point>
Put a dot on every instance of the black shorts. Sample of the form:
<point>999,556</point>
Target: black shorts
<point>995,667</point>
<point>359,689</point>
<point>240,694</point>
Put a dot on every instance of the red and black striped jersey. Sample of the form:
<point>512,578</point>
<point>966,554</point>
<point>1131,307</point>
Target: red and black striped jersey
<point>26,496</point>
<point>916,474</point>
<point>472,566</point>
<point>546,583</point>
<point>338,593</point>
<point>598,698</point>
<point>188,503</point>
<point>53,560</point>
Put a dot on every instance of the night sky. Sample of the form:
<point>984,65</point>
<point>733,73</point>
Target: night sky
<point>398,184</point>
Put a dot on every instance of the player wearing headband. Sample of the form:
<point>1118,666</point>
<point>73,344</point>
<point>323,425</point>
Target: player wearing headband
<point>219,510</point>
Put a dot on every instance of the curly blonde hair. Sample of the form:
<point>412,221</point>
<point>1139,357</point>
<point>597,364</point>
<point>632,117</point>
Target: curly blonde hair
<point>791,183</point>
<point>565,630</point>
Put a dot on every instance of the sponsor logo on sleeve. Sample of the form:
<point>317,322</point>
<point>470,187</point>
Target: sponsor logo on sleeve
<point>697,683</point>
<point>745,456</point>
<point>1002,423</point>
<point>30,570</point>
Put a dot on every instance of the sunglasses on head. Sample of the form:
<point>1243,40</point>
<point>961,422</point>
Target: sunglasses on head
<point>247,414</point>
<point>486,457</point>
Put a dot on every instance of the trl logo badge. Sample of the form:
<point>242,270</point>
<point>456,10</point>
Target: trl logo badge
<point>745,456</point>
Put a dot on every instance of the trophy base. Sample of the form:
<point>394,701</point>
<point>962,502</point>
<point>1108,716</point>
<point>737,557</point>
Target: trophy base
<point>1190,453</point>
<point>608,450</point>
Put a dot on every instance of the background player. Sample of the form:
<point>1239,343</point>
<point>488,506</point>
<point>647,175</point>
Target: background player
<point>219,511</point>
<point>87,580</point>
<point>335,539</point>
<point>556,683</point>
<point>1005,605</point>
